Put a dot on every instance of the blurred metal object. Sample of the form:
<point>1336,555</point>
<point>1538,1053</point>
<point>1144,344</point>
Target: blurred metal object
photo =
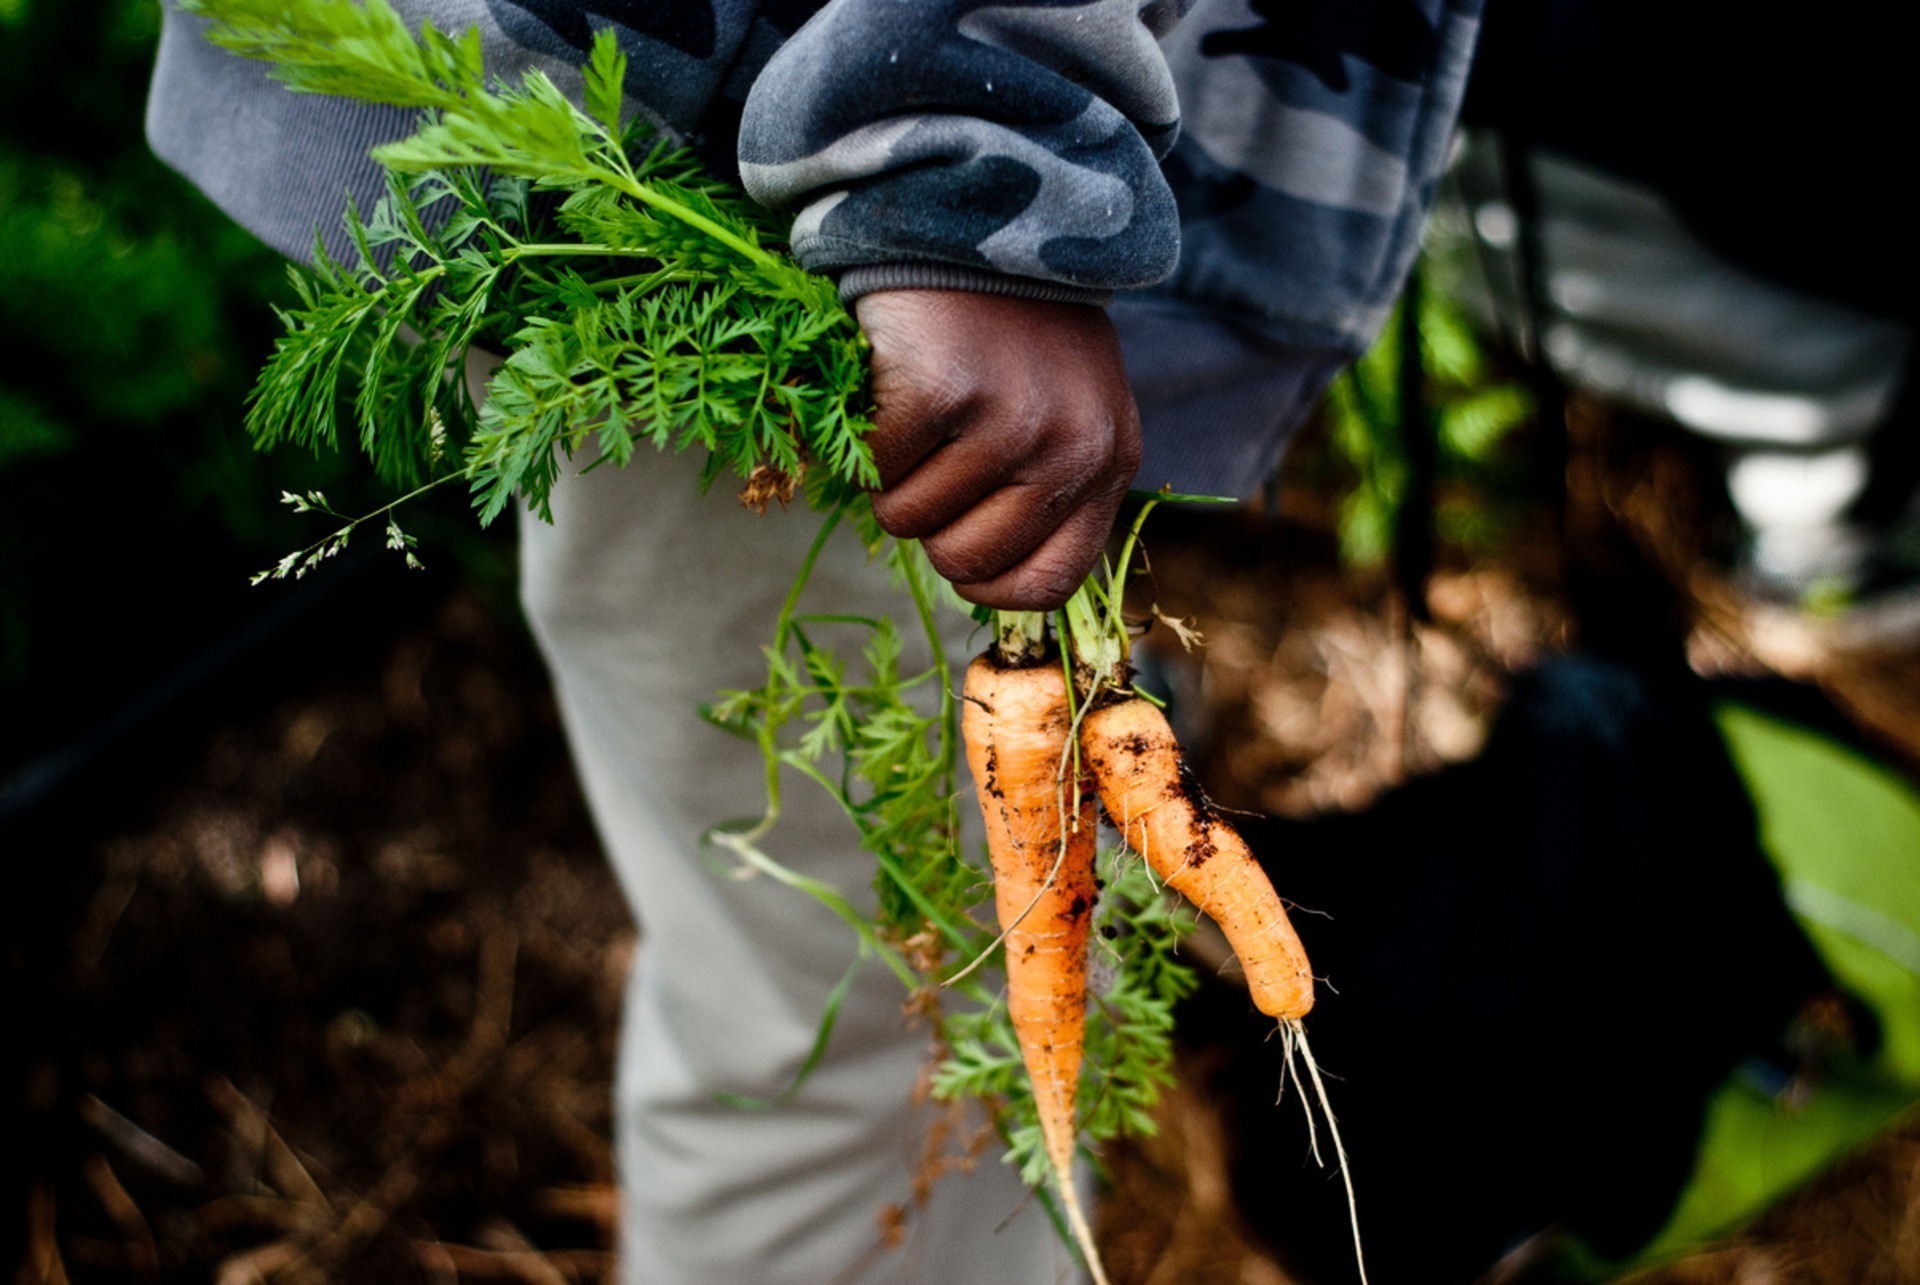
<point>1632,305</point>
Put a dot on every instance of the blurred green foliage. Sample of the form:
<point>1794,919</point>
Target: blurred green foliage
<point>132,317</point>
<point>1470,409</point>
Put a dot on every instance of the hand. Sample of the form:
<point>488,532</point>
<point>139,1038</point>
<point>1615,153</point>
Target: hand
<point>1005,434</point>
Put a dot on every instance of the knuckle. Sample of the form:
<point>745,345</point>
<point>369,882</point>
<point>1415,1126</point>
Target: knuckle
<point>922,385</point>
<point>900,516</point>
<point>958,561</point>
<point>889,513</point>
<point>1047,588</point>
<point>1020,432</point>
<point>947,392</point>
<point>1049,577</point>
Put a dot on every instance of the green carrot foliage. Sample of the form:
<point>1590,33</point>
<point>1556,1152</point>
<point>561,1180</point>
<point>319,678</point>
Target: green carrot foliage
<point>637,302</point>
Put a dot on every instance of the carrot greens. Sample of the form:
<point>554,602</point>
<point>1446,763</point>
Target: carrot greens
<point>638,302</point>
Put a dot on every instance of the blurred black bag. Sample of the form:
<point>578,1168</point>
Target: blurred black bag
<point>1538,967</point>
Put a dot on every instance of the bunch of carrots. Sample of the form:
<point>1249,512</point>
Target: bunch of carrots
<point>652,287</point>
<point>1051,723</point>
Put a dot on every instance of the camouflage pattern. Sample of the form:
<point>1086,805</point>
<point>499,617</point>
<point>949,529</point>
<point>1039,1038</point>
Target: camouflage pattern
<point>1034,147</point>
<point>1315,134</point>
<point>690,63</point>
<point>1270,159</point>
<point>1019,140</point>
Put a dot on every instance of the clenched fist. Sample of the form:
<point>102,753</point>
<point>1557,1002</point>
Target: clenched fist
<point>1005,434</point>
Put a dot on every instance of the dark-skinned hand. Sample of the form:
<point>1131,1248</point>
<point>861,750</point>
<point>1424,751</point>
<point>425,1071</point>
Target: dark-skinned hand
<point>1005,434</point>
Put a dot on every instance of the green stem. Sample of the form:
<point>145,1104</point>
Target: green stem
<point>1019,637</point>
<point>742,846</point>
<point>1096,638</point>
<point>508,255</point>
<point>936,915</point>
<point>625,180</point>
<point>1123,564</point>
<point>768,738</point>
<point>645,280</point>
<point>784,625</point>
<point>1093,632</point>
<point>923,605</point>
<point>554,248</point>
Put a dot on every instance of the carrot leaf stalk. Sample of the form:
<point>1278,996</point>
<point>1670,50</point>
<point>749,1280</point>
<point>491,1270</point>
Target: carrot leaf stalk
<point>1020,637</point>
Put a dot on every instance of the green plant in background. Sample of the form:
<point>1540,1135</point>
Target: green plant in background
<point>1468,409</point>
<point>131,314</point>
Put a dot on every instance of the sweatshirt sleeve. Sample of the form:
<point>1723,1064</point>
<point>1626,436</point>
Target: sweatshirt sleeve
<point>1007,147</point>
<point>285,165</point>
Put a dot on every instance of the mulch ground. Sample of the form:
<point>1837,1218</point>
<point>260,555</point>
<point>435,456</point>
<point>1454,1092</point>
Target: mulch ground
<point>339,1002</point>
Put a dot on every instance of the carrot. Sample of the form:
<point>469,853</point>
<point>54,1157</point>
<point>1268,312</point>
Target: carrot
<point>1128,750</point>
<point>1017,723</point>
<point>1163,815</point>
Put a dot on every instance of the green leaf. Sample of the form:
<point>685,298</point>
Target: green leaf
<point>606,75</point>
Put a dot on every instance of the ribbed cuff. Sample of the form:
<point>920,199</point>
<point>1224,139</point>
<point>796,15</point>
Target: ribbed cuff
<point>855,282</point>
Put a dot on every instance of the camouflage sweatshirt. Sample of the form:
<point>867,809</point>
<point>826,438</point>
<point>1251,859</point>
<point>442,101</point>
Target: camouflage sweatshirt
<point>1250,175</point>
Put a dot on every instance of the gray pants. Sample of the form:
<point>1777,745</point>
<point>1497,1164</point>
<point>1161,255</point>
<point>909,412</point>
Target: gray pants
<point>647,598</point>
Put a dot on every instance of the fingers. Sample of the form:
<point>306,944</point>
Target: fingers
<point>1005,436</point>
<point>956,475</point>
<point>1011,526</point>
<point>1046,575</point>
<point>1056,464</point>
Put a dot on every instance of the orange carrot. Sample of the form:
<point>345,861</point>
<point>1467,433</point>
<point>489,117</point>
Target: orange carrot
<point>1040,839</point>
<point>1147,790</point>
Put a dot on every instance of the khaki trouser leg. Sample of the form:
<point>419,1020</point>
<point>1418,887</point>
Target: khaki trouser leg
<point>647,598</point>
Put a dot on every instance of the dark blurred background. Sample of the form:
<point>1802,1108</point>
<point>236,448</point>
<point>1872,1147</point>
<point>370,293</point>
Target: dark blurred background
<point>132,317</point>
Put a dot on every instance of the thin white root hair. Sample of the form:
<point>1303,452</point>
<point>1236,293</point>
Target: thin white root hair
<point>1291,1042</point>
<point>1297,1042</point>
<point>1286,1053</point>
<point>1126,827</point>
<point>1082,1233</point>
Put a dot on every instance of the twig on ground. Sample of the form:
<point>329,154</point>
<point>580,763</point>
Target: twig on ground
<point>441,1258</point>
<point>104,913</point>
<point>43,1265</point>
<point>506,1240</point>
<point>370,1215</point>
<point>598,1204</point>
<point>441,1093</point>
<point>139,1145</point>
<point>255,1265</point>
<point>253,1128</point>
<point>143,1255</point>
<point>293,1217</point>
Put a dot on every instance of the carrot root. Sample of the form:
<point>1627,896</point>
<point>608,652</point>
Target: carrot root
<point>1295,1035</point>
<point>1163,815</point>
<point>1041,831</point>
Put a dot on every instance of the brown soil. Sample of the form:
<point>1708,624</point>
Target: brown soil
<point>339,1002</point>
